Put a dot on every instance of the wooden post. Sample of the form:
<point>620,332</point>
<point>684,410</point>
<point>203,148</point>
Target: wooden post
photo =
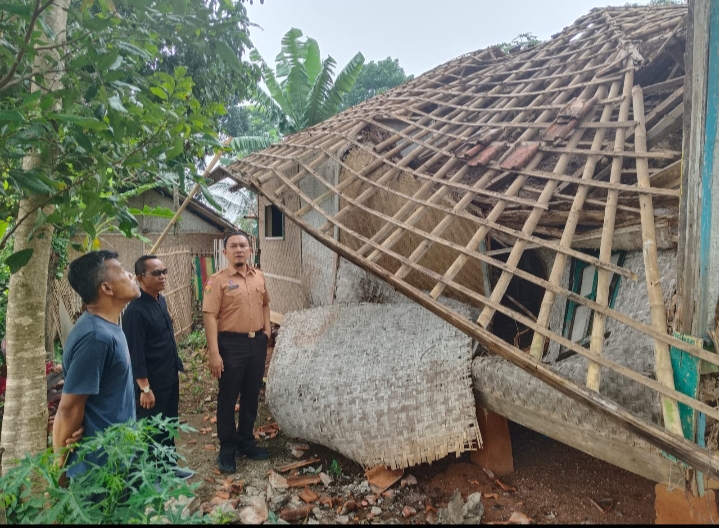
<point>698,258</point>
<point>191,194</point>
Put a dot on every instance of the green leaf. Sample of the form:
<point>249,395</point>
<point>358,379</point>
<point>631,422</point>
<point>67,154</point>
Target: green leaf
<point>228,55</point>
<point>157,212</point>
<point>116,104</point>
<point>87,122</point>
<point>15,9</point>
<point>176,149</point>
<point>11,116</point>
<point>208,196</point>
<point>18,259</point>
<point>3,227</point>
<point>159,92</point>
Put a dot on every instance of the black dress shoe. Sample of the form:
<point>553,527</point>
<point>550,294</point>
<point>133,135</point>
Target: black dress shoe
<point>254,453</point>
<point>226,463</point>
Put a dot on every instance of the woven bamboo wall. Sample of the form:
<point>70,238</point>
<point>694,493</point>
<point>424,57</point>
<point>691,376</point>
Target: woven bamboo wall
<point>281,262</point>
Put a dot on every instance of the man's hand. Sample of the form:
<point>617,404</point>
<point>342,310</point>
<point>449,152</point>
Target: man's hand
<point>217,367</point>
<point>147,401</point>
<point>76,436</point>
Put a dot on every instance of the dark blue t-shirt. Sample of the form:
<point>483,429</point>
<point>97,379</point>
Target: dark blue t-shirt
<point>96,362</point>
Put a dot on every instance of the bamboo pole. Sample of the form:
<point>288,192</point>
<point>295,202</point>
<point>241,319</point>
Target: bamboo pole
<point>475,330</point>
<point>191,194</point>
<point>663,365</point>
<point>560,260</point>
<point>605,247</point>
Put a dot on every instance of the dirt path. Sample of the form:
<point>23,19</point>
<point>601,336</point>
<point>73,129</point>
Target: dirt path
<point>552,483</point>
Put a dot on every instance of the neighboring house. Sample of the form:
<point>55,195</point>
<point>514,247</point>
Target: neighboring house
<point>464,183</point>
<point>197,228</point>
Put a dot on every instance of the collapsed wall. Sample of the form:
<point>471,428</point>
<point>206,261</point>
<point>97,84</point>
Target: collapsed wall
<point>381,384</point>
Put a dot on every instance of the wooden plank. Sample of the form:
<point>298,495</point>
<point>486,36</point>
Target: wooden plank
<point>697,63</point>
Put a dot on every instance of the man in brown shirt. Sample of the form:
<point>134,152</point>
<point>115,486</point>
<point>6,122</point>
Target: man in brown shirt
<point>237,325</point>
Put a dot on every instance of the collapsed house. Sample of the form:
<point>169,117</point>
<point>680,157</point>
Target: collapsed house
<point>531,201</point>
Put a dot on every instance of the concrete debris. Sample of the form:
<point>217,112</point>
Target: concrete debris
<point>255,512</point>
<point>326,479</point>
<point>409,480</point>
<point>459,512</point>
<point>278,481</point>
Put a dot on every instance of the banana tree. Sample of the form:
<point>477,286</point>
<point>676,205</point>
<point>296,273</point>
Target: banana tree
<point>303,90</point>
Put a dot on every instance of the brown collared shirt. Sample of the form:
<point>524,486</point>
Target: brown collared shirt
<point>237,299</point>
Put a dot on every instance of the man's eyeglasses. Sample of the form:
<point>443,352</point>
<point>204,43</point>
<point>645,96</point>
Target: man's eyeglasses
<point>157,272</point>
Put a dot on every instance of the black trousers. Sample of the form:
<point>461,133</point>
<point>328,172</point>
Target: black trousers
<point>167,401</point>
<point>244,362</point>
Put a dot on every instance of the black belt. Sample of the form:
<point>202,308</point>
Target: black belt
<point>250,335</point>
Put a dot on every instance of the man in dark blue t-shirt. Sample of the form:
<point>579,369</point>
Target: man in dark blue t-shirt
<point>98,390</point>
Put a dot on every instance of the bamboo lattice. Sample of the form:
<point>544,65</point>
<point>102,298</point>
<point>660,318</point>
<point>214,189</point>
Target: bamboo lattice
<point>534,149</point>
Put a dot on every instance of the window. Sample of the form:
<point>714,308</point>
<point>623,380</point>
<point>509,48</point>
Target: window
<point>578,317</point>
<point>274,222</point>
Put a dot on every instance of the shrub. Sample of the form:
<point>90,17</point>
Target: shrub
<point>131,487</point>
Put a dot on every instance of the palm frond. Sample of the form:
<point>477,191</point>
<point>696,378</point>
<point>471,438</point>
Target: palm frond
<point>234,202</point>
<point>244,145</point>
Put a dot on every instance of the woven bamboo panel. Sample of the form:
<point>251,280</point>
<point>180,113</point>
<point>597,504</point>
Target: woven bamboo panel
<point>403,397</point>
<point>531,149</point>
<point>178,292</point>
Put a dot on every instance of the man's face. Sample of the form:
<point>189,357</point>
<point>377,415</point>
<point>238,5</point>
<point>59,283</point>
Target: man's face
<point>120,282</point>
<point>237,250</point>
<point>155,277</point>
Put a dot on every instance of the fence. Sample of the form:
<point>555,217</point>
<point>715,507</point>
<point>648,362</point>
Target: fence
<point>67,307</point>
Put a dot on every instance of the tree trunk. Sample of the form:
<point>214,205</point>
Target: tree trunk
<point>25,417</point>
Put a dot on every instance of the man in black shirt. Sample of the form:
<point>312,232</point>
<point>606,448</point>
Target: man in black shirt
<point>153,351</point>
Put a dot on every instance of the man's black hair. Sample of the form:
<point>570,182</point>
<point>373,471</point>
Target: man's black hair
<point>236,233</point>
<point>87,273</point>
<point>141,264</point>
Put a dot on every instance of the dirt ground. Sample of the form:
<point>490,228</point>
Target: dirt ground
<point>552,483</point>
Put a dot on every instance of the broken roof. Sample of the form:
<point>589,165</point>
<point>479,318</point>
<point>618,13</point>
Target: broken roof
<point>572,143</point>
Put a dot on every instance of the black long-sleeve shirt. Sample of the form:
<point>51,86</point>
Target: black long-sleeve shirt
<point>151,340</point>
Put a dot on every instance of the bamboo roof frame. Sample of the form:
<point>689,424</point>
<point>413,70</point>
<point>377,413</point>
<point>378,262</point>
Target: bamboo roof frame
<point>415,131</point>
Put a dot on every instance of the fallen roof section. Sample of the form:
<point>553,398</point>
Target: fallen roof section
<point>536,149</point>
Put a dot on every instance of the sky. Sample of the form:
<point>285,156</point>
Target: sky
<point>422,34</point>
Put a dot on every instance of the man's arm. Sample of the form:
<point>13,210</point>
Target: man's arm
<point>266,318</point>
<point>134,326</point>
<point>70,413</point>
<point>213,349</point>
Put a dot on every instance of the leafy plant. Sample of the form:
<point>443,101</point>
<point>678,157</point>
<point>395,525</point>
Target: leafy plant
<point>375,78</point>
<point>303,90</point>
<point>195,340</point>
<point>521,42</point>
<point>131,487</point>
<point>335,470</point>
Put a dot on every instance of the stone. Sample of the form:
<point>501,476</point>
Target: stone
<point>408,511</point>
<point>409,480</point>
<point>317,512</point>
<point>343,519</point>
<point>326,479</point>
<point>452,514</point>
<point>279,500</point>
<point>255,512</point>
<point>364,487</point>
<point>473,509</point>
<point>376,511</point>
<point>250,491</point>
<point>277,481</point>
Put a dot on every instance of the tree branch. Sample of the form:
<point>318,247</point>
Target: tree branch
<point>9,233</point>
<point>28,34</point>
